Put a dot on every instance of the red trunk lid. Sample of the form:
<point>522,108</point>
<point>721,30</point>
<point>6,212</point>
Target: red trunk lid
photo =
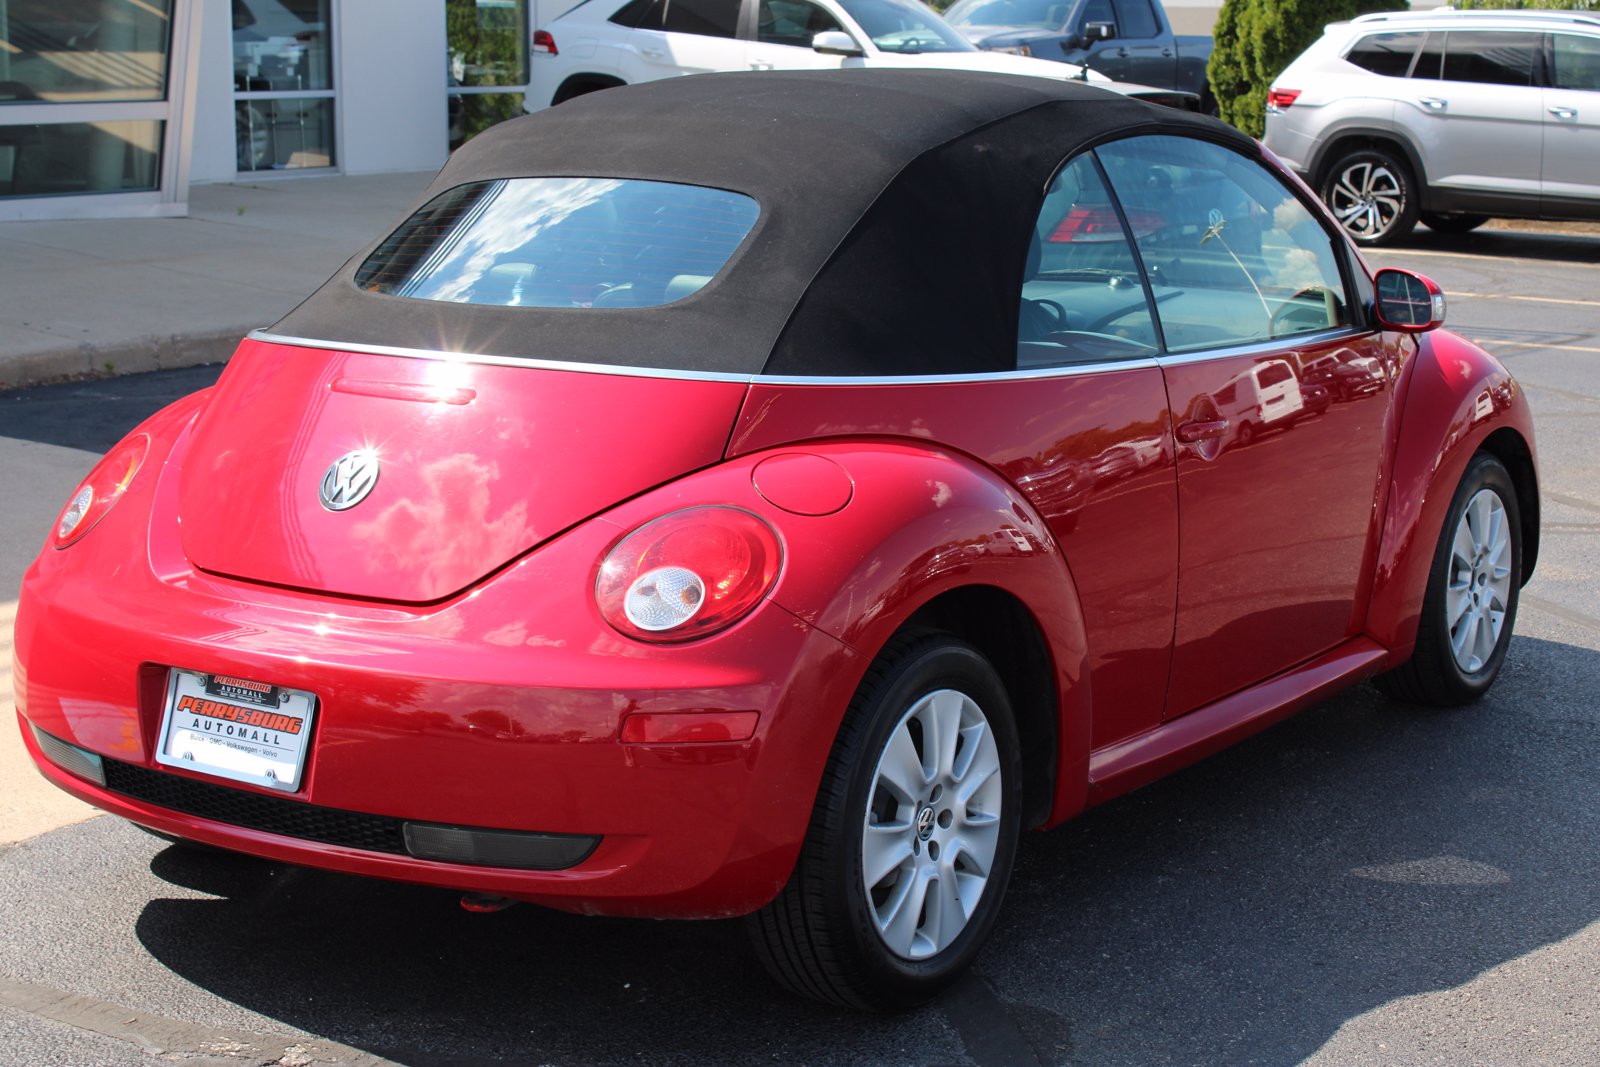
<point>477,464</point>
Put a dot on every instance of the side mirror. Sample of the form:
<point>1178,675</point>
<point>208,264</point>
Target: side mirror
<point>1408,302</point>
<point>835,43</point>
<point>1099,31</point>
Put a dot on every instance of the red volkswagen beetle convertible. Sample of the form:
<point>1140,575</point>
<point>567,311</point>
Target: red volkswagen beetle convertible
<point>770,494</point>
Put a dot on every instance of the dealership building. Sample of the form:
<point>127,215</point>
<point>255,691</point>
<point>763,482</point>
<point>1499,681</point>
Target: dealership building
<point>114,107</point>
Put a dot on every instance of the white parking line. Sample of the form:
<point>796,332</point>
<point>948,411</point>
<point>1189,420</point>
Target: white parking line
<point>1564,263</point>
<point>1523,299</point>
<point>1530,344</point>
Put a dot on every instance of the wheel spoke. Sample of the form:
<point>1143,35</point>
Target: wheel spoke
<point>887,847</point>
<point>901,770</point>
<point>947,914</point>
<point>899,918</point>
<point>943,733</point>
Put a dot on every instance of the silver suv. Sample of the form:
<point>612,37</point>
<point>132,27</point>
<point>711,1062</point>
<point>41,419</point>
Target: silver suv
<point>1447,116</point>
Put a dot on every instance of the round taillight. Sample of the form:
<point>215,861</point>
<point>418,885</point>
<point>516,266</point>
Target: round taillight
<point>688,574</point>
<point>99,492</point>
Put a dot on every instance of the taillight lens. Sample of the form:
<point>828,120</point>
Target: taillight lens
<point>688,574</point>
<point>1281,99</point>
<point>544,43</point>
<point>99,492</point>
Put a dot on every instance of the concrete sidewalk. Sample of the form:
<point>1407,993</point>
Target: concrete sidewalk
<point>123,295</point>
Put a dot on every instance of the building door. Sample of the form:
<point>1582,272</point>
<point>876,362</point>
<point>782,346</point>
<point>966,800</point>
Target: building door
<point>283,84</point>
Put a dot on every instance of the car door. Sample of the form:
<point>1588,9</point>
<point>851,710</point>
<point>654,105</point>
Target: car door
<point>1475,113</point>
<point>683,37</point>
<point>1569,178</point>
<point>1145,53</point>
<point>783,33</point>
<point>1278,508</point>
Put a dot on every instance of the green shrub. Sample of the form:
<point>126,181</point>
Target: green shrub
<point>1256,39</point>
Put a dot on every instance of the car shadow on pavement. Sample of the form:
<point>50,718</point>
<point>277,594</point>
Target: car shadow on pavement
<point>1243,910</point>
<point>55,414</point>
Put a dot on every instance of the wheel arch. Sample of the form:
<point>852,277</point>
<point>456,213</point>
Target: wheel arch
<point>1511,449</point>
<point>1001,627</point>
<point>1457,400</point>
<point>584,82</point>
<point>1352,140</point>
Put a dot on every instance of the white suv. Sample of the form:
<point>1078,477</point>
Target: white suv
<point>1447,116</point>
<point>604,43</point>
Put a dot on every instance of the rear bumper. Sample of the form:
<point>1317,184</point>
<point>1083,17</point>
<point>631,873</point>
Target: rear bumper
<point>501,710</point>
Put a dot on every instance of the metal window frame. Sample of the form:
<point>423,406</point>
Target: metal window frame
<point>170,198</point>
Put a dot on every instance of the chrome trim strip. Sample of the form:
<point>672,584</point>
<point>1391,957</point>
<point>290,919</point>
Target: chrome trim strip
<point>1064,371</point>
<point>491,361</point>
<point>1277,344</point>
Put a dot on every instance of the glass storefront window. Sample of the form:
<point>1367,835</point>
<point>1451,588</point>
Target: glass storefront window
<point>284,133</point>
<point>487,42</point>
<point>84,51</point>
<point>61,159</point>
<point>283,84</point>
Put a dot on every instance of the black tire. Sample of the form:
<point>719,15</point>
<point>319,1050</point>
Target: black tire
<point>820,936</point>
<point>1452,223</point>
<point>1246,434</point>
<point>1372,194</point>
<point>1435,674</point>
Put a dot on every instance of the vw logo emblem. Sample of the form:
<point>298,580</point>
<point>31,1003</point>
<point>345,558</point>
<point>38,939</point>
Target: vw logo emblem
<point>349,480</point>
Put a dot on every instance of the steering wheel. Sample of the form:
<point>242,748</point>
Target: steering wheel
<point>1284,314</point>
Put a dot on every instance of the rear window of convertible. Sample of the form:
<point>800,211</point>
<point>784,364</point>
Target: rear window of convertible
<point>562,242</point>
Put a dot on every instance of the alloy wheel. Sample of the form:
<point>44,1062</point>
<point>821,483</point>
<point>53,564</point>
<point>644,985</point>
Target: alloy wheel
<point>1479,585</point>
<point>932,824</point>
<point>1367,197</point>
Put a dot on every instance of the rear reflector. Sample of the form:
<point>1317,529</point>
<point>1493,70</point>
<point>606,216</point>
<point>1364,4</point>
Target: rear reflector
<point>497,848</point>
<point>688,727</point>
<point>1282,98</point>
<point>79,761</point>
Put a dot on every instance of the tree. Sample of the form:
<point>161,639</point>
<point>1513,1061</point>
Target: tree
<point>1256,39</point>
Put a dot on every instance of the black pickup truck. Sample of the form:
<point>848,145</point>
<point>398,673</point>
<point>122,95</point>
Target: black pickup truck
<point>1126,40</point>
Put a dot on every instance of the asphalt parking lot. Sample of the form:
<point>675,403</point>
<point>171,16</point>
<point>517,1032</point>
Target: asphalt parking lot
<point>1366,883</point>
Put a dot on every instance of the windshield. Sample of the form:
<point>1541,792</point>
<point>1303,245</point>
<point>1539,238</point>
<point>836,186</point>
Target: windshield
<point>562,242</point>
<point>905,26</point>
<point>1045,14</point>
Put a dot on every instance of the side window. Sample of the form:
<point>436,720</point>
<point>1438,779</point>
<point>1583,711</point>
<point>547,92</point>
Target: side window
<point>637,13</point>
<point>1082,298</point>
<point>1490,58</point>
<point>1430,61</point>
<point>1135,19</point>
<point>1097,11</point>
<point>707,18</point>
<point>1576,62</point>
<point>1232,255</point>
<point>1388,54</point>
<point>792,22</point>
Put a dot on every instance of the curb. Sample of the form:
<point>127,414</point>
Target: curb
<point>91,360</point>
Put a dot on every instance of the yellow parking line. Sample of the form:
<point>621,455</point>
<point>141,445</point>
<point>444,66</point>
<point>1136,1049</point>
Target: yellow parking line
<point>1531,344</point>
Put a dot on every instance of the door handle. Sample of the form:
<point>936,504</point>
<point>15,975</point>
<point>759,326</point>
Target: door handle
<point>1191,433</point>
<point>651,53</point>
<point>1433,103</point>
<point>760,64</point>
<point>1563,112</point>
<point>1122,53</point>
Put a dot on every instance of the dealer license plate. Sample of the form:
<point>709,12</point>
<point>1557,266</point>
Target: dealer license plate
<point>236,728</point>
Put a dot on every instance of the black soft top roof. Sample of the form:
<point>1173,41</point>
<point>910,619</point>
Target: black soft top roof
<point>896,209</point>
